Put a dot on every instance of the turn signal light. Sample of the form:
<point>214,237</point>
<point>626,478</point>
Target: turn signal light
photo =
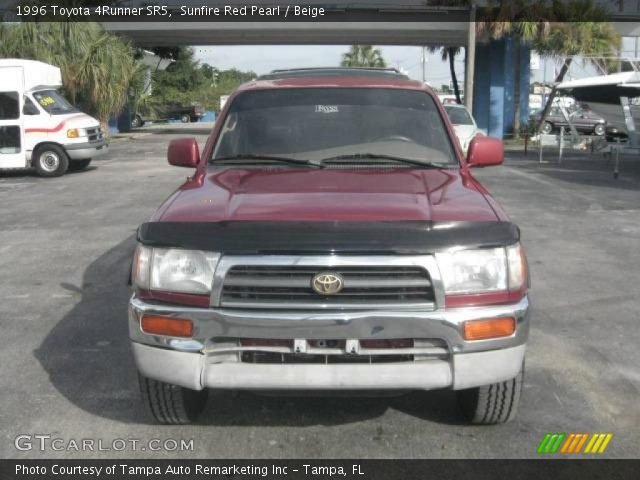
<point>491,328</point>
<point>172,327</point>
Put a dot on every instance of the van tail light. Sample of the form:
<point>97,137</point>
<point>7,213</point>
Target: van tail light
<point>172,327</point>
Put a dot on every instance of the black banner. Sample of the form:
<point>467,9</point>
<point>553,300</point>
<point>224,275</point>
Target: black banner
<point>275,11</point>
<point>319,469</point>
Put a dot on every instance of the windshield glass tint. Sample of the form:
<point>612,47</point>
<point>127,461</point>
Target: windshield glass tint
<point>459,115</point>
<point>319,123</point>
<point>53,102</point>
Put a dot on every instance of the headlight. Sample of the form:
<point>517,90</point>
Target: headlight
<point>485,270</point>
<point>73,133</point>
<point>174,270</point>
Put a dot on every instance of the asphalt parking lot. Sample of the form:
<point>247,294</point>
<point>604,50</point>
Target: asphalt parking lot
<point>66,369</point>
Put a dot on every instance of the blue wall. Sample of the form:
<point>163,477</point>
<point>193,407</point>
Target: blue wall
<point>493,89</point>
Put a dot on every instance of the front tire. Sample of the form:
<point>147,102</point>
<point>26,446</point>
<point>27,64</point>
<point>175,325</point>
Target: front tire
<point>50,161</point>
<point>491,404</point>
<point>547,128</point>
<point>185,118</point>
<point>77,165</point>
<point>171,404</point>
<point>599,130</point>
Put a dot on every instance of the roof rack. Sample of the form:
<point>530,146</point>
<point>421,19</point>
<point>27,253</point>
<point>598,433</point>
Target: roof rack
<point>334,72</point>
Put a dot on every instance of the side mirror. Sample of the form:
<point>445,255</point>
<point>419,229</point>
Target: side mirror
<point>184,152</point>
<point>485,151</point>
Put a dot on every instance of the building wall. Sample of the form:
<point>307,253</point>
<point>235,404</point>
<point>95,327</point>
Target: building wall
<point>494,86</point>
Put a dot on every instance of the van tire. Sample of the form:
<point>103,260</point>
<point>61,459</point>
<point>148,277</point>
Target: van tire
<point>77,165</point>
<point>137,121</point>
<point>50,160</point>
<point>491,404</point>
<point>171,404</point>
<point>185,118</point>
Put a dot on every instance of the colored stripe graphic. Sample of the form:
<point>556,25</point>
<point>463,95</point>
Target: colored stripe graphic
<point>598,443</point>
<point>551,442</point>
<point>572,443</point>
<point>55,129</point>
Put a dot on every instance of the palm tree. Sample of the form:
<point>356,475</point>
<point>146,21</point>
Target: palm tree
<point>501,18</point>
<point>449,54</point>
<point>96,66</point>
<point>363,56</point>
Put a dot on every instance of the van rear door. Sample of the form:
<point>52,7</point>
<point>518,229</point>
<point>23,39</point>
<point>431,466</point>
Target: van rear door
<point>12,154</point>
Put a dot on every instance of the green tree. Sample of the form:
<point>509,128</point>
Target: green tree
<point>363,56</point>
<point>181,78</point>
<point>187,80</point>
<point>96,66</point>
<point>226,82</point>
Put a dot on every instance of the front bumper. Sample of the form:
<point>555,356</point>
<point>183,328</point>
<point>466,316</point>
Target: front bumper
<point>81,151</point>
<point>206,361</point>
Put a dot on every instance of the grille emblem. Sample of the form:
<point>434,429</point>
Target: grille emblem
<point>326,283</point>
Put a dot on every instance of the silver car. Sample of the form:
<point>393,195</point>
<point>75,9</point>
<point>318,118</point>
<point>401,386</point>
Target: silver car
<point>463,123</point>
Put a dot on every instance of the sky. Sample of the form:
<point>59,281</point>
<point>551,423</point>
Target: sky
<point>264,58</point>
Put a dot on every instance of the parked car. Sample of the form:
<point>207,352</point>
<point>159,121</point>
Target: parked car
<point>331,237</point>
<point>463,123</point>
<point>39,128</point>
<point>172,111</point>
<point>582,117</point>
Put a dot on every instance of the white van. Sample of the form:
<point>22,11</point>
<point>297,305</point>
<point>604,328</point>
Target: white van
<point>38,127</point>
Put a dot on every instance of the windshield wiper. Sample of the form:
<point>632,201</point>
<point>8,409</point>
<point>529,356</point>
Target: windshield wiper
<point>270,158</point>
<point>410,161</point>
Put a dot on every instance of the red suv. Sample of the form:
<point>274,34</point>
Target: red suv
<point>332,237</point>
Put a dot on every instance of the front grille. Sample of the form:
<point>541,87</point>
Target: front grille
<point>94,134</point>
<point>290,287</point>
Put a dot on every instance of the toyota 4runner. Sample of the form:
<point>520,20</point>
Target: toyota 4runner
<point>332,238</point>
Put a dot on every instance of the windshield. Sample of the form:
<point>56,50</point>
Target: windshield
<point>458,115</point>
<point>53,102</point>
<point>316,124</point>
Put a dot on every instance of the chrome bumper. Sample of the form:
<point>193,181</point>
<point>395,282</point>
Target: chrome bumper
<point>203,361</point>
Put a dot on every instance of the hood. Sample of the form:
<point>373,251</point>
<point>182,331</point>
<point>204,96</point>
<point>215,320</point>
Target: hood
<point>285,194</point>
<point>77,120</point>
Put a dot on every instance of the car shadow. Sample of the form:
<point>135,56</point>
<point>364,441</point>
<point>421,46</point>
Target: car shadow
<point>89,361</point>
<point>32,173</point>
<point>227,408</point>
<point>19,172</point>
